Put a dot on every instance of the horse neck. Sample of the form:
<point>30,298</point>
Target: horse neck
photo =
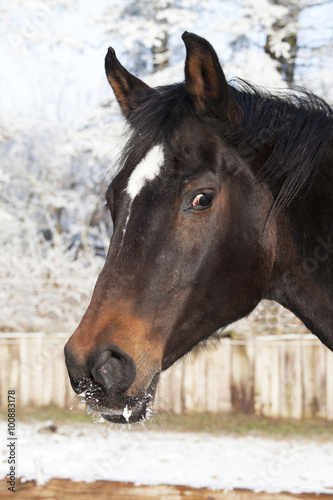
<point>311,220</point>
<point>302,278</point>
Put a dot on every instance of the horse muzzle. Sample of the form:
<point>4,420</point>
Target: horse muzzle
<point>108,383</point>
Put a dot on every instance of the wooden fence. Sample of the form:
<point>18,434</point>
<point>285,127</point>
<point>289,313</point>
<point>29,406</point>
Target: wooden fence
<point>287,376</point>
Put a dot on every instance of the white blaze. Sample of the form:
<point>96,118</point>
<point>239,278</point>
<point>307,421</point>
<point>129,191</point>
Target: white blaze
<point>145,171</point>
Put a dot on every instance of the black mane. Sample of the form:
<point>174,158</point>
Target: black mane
<point>294,127</point>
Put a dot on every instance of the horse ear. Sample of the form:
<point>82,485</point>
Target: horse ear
<point>129,90</point>
<point>204,79</point>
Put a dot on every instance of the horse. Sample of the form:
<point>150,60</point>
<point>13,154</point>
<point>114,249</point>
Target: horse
<point>223,197</point>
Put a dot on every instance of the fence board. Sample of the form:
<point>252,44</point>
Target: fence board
<point>45,371</point>
<point>329,384</point>
<point>266,380</point>
<point>308,381</point>
<point>242,378</point>
<point>24,389</point>
<point>320,382</point>
<point>5,371</point>
<point>169,395</point>
<point>13,375</point>
<point>218,378</point>
<point>35,354</point>
<point>284,376</point>
<point>194,386</point>
<point>291,380</point>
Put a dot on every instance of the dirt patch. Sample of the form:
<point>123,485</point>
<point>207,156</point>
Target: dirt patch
<point>65,489</point>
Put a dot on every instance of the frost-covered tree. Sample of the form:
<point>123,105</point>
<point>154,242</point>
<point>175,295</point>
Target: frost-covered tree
<point>49,241</point>
<point>283,41</point>
<point>145,28</point>
<point>284,29</point>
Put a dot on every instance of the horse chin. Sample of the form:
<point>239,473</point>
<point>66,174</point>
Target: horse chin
<point>136,409</point>
<point>127,416</point>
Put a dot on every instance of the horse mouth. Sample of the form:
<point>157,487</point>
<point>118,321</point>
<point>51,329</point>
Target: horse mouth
<point>122,408</point>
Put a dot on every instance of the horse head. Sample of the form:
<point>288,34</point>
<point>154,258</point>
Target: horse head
<point>193,245</point>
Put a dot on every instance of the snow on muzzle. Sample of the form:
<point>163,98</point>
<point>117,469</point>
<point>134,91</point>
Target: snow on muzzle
<point>113,381</point>
<point>106,396</point>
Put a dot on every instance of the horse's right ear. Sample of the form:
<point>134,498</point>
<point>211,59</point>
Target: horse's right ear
<point>129,90</point>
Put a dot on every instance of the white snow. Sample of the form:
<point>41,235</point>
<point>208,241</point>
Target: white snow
<point>93,452</point>
<point>127,413</point>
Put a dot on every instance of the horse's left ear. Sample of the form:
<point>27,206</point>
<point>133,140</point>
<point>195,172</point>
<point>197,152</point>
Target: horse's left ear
<point>204,79</point>
<point>129,90</point>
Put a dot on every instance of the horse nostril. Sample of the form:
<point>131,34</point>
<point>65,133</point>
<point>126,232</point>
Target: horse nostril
<point>77,372</point>
<point>114,369</point>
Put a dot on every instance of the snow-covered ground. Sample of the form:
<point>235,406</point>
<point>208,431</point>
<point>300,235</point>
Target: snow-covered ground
<point>89,453</point>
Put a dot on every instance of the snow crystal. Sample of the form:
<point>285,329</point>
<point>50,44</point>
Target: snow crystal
<point>127,413</point>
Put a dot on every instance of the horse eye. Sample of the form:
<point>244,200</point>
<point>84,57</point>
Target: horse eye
<point>202,201</point>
